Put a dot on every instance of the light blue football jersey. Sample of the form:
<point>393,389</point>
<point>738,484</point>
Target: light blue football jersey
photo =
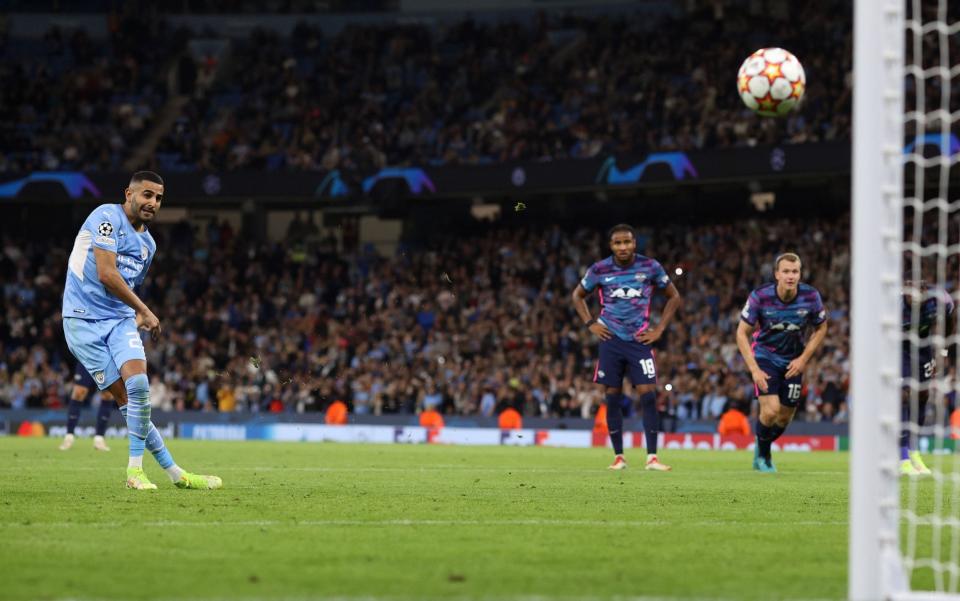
<point>108,228</point>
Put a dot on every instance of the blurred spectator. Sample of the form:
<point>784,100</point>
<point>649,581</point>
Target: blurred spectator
<point>267,328</point>
<point>510,419</point>
<point>733,421</point>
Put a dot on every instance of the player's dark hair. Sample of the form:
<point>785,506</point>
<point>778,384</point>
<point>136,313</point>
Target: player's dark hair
<point>621,227</point>
<point>792,257</point>
<point>146,176</point>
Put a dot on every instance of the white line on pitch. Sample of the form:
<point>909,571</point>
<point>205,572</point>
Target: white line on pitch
<point>418,522</point>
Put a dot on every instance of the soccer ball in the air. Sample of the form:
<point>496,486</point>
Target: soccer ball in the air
<point>771,82</point>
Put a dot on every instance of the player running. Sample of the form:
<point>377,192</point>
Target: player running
<point>777,315</point>
<point>922,366</point>
<point>83,386</point>
<point>627,282</point>
<point>101,316</point>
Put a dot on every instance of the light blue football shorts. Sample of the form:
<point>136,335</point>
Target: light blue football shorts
<point>103,345</point>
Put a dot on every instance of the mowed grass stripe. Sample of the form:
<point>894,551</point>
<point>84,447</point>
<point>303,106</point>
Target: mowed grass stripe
<point>313,521</point>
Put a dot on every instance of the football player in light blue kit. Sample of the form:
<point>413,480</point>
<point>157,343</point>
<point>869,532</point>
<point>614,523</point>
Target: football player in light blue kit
<point>101,316</point>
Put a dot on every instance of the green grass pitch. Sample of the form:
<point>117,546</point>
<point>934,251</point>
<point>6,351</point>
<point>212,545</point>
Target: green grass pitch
<point>312,521</point>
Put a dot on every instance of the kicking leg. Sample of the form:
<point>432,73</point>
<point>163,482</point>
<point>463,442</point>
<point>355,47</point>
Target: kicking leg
<point>152,440</point>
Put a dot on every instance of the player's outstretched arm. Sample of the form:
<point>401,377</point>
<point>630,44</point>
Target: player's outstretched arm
<point>674,301</point>
<point>744,331</point>
<point>114,283</point>
<point>579,298</point>
<point>797,366</point>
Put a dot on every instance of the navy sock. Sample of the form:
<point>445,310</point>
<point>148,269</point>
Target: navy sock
<point>651,421</point>
<point>919,418</point>
<point>615,422</point>
<point>103,416</point>
<point>765,436</point>
<point>776,432</point>
<point>73,415</point>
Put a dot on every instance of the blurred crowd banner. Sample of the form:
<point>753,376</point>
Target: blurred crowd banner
<point>488,437</point>
<point>453,180</point>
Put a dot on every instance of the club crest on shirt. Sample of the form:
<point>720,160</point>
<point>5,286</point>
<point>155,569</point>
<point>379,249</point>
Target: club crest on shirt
<point>641,277</point>
<point>143,253</point>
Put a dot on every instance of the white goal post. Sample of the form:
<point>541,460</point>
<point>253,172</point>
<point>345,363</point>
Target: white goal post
<point>900,53</point>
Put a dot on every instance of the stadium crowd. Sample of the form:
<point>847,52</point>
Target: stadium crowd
<point>69,102</point>
<point>469,324</point>
<point>538,88</point>
<point>469,93</point>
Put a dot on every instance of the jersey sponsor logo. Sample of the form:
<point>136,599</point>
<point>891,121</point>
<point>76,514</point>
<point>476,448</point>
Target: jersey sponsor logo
<point>106,240</point>
<point>789,327</point>
<point>105,228</point>
<point>626,293</point>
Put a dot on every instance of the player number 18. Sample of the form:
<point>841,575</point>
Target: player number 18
<point>649,369</point>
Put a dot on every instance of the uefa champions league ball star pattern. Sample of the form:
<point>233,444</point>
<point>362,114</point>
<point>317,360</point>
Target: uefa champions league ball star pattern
<point>105,229</point>
<point>771,82</point>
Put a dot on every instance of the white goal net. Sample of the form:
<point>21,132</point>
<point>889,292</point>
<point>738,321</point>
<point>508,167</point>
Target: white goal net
<point>905,483</point>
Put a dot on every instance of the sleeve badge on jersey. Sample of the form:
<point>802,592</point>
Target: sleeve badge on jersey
<point>105,228</point>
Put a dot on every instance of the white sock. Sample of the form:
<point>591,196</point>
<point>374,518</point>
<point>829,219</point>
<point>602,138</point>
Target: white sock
<point>174,472</point>
<point>135,462</point>
<point>68,437</point>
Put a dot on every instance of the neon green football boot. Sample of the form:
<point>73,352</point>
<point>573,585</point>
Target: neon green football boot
<point>917,460</point>
<point>907,469</point>
<point>198,481</point>
<point>138,480</point>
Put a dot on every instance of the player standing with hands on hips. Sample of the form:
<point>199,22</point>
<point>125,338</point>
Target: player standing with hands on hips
<point>627,282</point>
<point>777,315</point>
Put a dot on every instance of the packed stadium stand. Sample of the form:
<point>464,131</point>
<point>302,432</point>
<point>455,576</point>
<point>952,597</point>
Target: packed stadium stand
<point>537,87</point>
<point>470,322</point>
